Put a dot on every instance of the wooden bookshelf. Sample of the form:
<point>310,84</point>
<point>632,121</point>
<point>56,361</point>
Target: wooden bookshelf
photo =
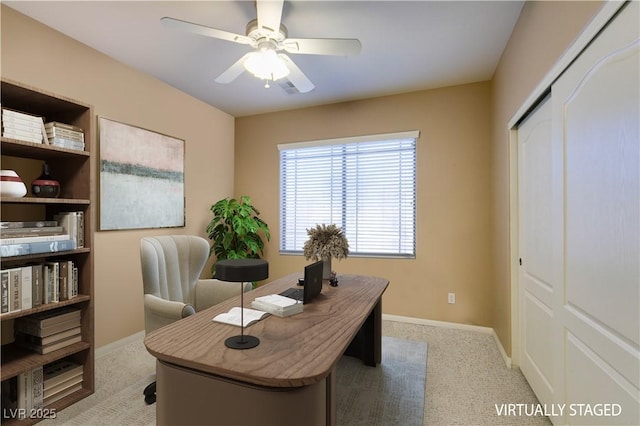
<point>74,170</point>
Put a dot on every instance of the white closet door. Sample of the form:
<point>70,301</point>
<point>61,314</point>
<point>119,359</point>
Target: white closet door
<point>535,249</point>
<point>596,208</point>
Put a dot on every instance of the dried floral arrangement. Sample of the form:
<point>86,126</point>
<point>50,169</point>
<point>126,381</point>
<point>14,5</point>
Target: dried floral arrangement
<point>325,242</point>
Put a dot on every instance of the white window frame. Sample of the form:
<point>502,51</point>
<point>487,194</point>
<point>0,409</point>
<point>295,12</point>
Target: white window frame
<point>296,163</point>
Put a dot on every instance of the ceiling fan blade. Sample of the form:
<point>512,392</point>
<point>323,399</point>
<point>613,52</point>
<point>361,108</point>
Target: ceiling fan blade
<point>205,31</point>
<point>233,71</point>
<point>297,77</point>
<point>269,14</point>
<point>323,46</point>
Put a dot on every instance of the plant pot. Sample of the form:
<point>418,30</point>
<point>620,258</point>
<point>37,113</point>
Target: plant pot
<point>11,185</point>
<point>326,269</point>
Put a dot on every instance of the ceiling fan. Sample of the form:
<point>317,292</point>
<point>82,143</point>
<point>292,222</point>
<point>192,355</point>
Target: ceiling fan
<point>269,37</point>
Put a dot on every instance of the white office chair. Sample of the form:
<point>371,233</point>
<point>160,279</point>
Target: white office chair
<point>171,268</point>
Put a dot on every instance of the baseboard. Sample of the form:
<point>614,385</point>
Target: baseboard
<point>110,347</point>
<point>455,325</point>
<point>505,357</point>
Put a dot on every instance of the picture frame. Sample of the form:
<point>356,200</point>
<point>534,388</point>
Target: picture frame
<point>141,178</point>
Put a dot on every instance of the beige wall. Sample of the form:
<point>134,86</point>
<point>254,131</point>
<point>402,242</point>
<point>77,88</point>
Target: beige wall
<point>453,206</point>
<point>543,32</point>
<point>38,56</point>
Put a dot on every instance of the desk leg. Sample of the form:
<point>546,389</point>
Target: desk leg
<point>367,344</point>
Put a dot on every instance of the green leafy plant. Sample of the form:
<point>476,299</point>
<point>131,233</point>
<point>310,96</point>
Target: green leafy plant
<point>236,230</point>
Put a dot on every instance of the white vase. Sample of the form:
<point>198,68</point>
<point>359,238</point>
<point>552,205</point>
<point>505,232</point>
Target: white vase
<point>11,185</point>
<point>326,268</point>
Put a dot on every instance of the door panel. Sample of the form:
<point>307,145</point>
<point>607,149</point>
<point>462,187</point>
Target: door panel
<point>536,287</point>
<point>596,149</point>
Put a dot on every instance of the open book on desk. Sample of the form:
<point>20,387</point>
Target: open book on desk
<point>234,315</point>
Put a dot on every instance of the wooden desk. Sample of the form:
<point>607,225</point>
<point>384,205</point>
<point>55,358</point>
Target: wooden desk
<point>287,379</point>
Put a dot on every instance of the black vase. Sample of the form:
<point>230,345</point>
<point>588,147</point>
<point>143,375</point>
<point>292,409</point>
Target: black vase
<point>44,185</point>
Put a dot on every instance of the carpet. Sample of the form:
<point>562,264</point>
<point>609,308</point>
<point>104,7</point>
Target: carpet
<point>390,394</point>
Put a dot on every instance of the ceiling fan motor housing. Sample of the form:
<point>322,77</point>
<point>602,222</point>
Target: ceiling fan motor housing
<point>259,34</point>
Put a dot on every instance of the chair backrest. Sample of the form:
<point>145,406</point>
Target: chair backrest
<point>171,265</point>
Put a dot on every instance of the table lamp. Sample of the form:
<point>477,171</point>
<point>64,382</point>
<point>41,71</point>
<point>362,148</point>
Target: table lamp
<point>242,270</point>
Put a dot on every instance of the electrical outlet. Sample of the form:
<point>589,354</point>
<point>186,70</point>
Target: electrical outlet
<point>452,298</point>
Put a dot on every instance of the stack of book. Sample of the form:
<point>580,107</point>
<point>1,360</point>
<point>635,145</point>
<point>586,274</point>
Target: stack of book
<point>49,331</point>
<point>65,135</point>
<point>73,224</point>
<point>61,378</point>
<point>278,305</point>
<point>20,238</point>
<point>21,126</point>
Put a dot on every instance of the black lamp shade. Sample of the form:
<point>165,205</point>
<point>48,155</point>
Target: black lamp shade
<point>242,270</point>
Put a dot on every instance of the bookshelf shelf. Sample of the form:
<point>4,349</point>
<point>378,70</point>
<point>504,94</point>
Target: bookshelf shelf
<point>41,200</point>
<point>19,360</point>
<point>42,308</point>
<point>23,149</point>
<point>74,170</point>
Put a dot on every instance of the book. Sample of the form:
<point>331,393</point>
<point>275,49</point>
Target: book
<point>50,400</point>
<point>15,289</point>
<point>35,248</point>
<point>48,318</point>
<point>52,390</point>
<point>31,231</point>
<point>278,305</point>
<point>37,388</point>
<point>34,330</point>
<point>7,113</point>
<point>47,340</point>
<point>27,224</point>
<point>45,349</point>
<point>232,317</point>
<point>63,280</point>
<point>26,291</point>
<point>51,282</point>
<point>67,143</point>
<point>57,132</point>
<point>32,239</point>
<point>31,122</point>
<point>73,224</point>
<point>60,371</point>
<point>4,291</point>
<point>37,289</point>
<point>24,390</point>
<point>57,124</point>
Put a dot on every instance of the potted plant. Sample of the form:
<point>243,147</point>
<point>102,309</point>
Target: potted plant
<point>236,230</point>
<point>326,242</point>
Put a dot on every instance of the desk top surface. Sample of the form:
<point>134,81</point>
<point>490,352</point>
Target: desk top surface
<point>298,350</point>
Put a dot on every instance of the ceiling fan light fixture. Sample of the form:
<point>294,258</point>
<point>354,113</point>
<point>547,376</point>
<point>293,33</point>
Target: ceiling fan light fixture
<point>265,64</point>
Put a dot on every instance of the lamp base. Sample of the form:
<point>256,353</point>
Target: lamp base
<point>242,342</point>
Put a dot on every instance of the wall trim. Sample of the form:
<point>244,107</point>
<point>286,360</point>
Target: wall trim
<point>118,344</point>
<point>454,325</point>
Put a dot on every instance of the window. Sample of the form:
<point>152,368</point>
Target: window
<point>365,185</point>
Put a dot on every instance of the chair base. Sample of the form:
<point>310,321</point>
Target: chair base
<point>150,393</point>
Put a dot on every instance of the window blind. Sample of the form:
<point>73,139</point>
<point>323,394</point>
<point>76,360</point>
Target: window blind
<point>365,185</point>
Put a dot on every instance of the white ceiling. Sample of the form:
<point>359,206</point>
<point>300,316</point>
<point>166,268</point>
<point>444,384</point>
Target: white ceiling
<point>406,45</point>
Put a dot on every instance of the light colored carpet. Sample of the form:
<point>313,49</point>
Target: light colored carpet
<point>390,394</point>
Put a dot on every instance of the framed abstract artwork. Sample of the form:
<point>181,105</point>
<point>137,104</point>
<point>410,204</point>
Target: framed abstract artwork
<point>141,178</point>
